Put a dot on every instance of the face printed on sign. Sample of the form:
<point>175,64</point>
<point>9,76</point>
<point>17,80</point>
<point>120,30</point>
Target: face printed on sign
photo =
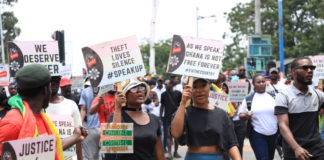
<point>94,66</point>
<point>16,60</point>
<point>177,53</point>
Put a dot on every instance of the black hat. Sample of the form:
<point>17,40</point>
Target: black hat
<point>203,79</point>
<point>32,76</point>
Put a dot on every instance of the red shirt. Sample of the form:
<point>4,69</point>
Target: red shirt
<point>106,108</point>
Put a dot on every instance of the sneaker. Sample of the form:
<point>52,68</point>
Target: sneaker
<point>176,155</point>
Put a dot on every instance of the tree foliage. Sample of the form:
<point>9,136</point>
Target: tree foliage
<point>303,28</point>
<point>10,30</point>
<point>162,50</point>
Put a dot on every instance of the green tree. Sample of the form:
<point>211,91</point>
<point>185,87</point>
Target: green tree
<point>10,30</point>
<point>303,27</point>
<point>162,50</point>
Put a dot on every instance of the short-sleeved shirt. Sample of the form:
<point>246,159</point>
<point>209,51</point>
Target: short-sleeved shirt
<point>207,127</point>
<point>66,107</point>
<point>302,110</point>
<point>86,99</point>
<point>263,119</point>
<point>106,108</point>
<point>275,88</point>
<point>170,101</point>
<point>145,137</point>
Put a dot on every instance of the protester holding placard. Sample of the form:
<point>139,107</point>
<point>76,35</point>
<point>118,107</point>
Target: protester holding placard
<point>206,129</point>
<point>262,129</point>
<point>63,106</point>
<point>27,119</point>
<point>147,142</point>
<point>104,105</point>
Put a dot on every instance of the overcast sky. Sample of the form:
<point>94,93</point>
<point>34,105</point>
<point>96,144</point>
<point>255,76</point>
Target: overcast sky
<point>90,22</point>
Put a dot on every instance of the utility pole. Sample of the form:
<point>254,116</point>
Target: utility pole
<point>257,17</point>
<point>281,40</point>
<point>152,40</point>
<point>1,34</point>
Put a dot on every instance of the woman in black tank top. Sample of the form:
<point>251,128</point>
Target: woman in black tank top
<point>206,130</point>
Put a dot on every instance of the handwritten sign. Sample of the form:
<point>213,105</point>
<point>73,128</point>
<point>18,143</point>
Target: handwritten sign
<point>318,74</point>
<point>24,53</point>
<point>32,148</point>
<point>116,137</point>
<point>113,61</point>
<point>66,71</point>
<point>195,57</point>
<point>77,82</point>
<point>219,100</point>
<point>238,91</point>
<point>4,75</point>
<point>65,126</point>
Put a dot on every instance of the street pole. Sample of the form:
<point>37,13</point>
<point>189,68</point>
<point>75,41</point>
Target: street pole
<point>281,40</point>
<point>152,39</point>
<point>257,17</point>
<point>1,34</point>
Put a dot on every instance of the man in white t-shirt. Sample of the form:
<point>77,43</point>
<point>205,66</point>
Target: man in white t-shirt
<point>275,86</point>
<point>159,89</point>
<point>63,106</point>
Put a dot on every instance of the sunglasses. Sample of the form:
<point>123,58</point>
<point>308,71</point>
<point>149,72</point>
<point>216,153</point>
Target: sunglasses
<point>138,88</point>
<point>242,70</point>
<point>306,67</point>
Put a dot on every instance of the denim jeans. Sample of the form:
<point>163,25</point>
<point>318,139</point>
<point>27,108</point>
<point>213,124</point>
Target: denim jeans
<point>263,146</point>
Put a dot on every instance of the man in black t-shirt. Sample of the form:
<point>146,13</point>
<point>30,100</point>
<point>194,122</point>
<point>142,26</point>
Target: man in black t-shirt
<point>297,110</point>
<point>170,101</point>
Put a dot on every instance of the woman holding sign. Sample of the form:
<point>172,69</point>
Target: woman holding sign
<point>206,129</point>
<point>147,141</point>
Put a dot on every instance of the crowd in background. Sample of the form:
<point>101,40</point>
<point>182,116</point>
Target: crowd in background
<point>156,105</point>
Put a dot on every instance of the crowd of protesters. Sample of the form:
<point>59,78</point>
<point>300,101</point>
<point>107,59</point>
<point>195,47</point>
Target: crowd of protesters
<point>277,114</point>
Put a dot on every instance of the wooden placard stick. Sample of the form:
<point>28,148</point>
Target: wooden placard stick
<point>190,83</point>
<point>117,114</point>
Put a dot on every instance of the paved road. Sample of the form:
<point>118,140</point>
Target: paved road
<point>247,152</point>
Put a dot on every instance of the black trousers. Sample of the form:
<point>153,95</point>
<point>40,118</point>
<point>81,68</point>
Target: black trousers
<point>240,131</point>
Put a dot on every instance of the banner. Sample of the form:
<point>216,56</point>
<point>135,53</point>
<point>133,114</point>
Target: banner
<point>4,75</point>
<point>195,57</point>
<point>65,126</point>
<point>116,137</point>
<point>237,91</point>
<point>219,100</point>
<point>32,148</point>
<point>318,74</point>
<point>113,61</point>
<point>24,53</point>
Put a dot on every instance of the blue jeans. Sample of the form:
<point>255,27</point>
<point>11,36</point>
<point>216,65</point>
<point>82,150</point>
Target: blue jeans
<point>263,146</point>
<point>203,156</point>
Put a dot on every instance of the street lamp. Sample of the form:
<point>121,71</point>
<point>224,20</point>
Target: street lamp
<point>199,18</point>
